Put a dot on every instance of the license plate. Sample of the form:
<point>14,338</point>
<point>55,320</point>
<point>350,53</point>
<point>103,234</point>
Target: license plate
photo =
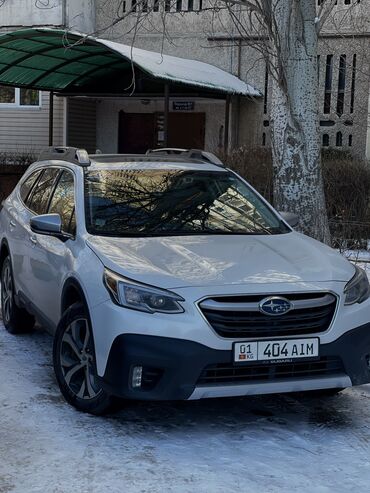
<point>245,352</point>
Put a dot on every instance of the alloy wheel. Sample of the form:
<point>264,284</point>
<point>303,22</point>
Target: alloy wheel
<point>77,360</point>
<point>7,292</point>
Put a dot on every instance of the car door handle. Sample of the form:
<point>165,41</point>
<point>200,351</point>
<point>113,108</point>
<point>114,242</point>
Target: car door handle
<point>33,240</point>
<point>13,224</point>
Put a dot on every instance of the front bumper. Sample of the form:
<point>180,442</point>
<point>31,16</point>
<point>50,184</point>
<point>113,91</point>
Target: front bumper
<point>172,368</point>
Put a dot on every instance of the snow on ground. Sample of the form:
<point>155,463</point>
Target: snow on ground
<point>358,255</point>
<point>260,444</point>
<point>263,444</point>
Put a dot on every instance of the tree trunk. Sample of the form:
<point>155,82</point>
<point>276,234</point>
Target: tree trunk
<point>298,184</point>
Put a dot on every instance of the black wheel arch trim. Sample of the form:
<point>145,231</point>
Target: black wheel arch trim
<point>72,282</point>
<point>4,244</point>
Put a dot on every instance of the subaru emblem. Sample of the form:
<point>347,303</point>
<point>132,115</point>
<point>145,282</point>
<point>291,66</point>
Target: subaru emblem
<point>275,305</point>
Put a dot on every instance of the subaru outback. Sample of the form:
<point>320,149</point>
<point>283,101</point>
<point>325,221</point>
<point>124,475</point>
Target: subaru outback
<point>167,276</point>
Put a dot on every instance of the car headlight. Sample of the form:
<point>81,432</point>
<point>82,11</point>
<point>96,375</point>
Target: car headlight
<point>357,289</point>
<point>137,296</point>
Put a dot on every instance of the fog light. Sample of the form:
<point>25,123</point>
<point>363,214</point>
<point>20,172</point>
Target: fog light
<point>137,374</point>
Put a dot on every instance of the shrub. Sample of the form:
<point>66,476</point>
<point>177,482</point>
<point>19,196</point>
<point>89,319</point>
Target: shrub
<point>255,165</point>
<point>24,158</point>
<point>347,189</point>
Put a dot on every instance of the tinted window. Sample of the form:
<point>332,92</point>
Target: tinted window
<point>39,199</point>
<point>27,185</point>
<point>178,202</point>
<point>63,202</point>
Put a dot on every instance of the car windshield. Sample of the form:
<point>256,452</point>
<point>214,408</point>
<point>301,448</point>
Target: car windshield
<point>163,202</point>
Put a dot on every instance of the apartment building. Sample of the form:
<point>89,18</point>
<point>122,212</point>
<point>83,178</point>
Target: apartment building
<point>24,113</point>
<point>191,29</point>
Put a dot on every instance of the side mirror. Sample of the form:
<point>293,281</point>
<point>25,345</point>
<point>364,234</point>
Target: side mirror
<point>290,218</point>
<point>49,225</point>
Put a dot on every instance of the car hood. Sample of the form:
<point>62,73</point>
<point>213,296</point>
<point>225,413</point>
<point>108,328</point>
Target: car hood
<point>183,261</point>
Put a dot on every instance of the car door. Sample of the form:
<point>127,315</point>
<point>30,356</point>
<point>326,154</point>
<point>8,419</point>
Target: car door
<point>19,232</point>
<point>52,257</point>
<point>37,203</point>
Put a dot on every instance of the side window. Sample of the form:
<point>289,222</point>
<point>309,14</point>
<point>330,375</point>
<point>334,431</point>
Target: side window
<point>27,185</point>
<point>39,199</point>
<point>63,202</point>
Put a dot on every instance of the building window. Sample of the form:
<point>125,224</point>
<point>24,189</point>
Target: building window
<point>325,140</point>
<point>327,123</point>
<point>328,83</point>
<point>167,5</point>
<point>339,139</point>
<point>178,5</point>
<point>145,6</point>
<point>190,5</point>
<point>133,5</point>
<point>264,139</point>
<point>350,140</point>
<point>156,6</point>
<point>341,84</point>
<point>353,84</point>
<point>14,96</point>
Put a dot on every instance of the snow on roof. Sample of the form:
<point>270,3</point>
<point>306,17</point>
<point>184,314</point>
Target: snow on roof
<point>183,70</point>
<point>38,58</point>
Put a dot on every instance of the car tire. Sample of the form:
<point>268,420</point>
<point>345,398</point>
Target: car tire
<point>16,320</point>
<point>75,364</point>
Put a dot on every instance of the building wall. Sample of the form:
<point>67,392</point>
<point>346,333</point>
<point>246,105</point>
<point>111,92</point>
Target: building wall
<point>350,82</point>
<point>80,15</point>
<point>76,14</point>
<point>21,13</point>
<point>211,37</point>
<point>27,128</point>
<point>107,116</point>
<point>81,124</point>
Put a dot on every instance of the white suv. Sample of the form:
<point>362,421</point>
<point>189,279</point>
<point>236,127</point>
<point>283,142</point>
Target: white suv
<point>169,277</point>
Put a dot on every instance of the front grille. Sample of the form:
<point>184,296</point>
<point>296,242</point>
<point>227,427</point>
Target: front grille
<point>228,373</point>
<point>239,316</point>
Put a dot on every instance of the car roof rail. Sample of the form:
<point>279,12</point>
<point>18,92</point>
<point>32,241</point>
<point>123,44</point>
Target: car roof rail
<point>70,154</point>
<point>197,154</point>
<point>142,158</point>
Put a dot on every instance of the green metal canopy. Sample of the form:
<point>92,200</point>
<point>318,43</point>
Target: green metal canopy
<point>72,63</point>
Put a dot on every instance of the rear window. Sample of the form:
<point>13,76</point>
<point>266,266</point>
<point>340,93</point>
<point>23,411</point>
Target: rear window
<point>27,185</point>
<point>63,202</point>
<point>39,198</point>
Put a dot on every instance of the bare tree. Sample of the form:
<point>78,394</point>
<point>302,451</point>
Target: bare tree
<point>293,35</point>
<point>286,34</point>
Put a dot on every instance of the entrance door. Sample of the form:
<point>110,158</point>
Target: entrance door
<point>137,132</point>
<point>186,130</point>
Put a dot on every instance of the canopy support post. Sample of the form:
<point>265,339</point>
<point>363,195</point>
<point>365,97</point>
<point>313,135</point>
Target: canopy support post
<point>166,114</point>
<point>227,123</point>
<point>51,117</point>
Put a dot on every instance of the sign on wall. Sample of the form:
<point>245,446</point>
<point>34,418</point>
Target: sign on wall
<point>183,105</point>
